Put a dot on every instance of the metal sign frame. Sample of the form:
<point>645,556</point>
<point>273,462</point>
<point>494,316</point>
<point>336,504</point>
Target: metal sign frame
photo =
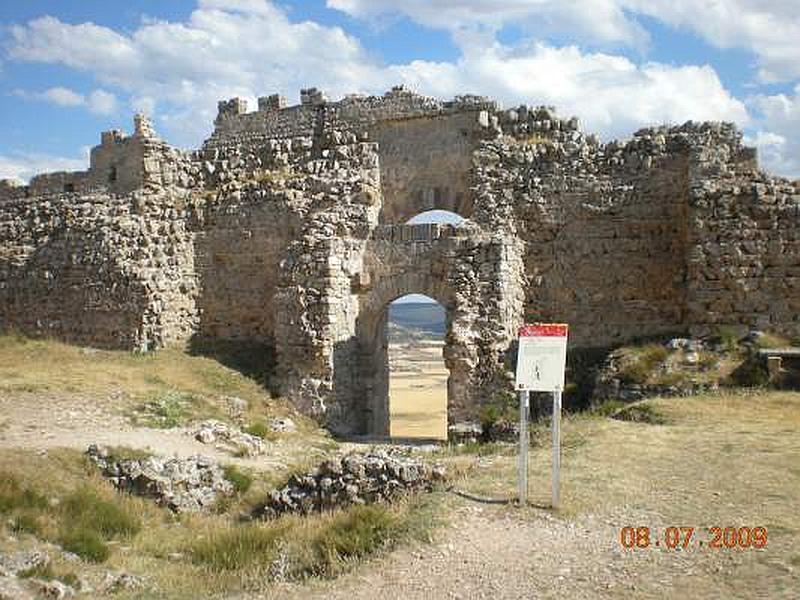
<point>551,355</point>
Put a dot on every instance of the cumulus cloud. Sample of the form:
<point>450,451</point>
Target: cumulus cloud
<point>778,135</point>
<point>250,47</point>
<point>610,93</point>
<point>767,28</point>
<point>61,96</point>
<point>593,20</point>
<point>98,101</point>
<point>22,166</point>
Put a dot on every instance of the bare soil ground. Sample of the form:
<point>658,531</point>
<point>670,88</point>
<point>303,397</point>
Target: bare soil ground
<point>718,460</point>
<point>418,390</point>
<point>727,460</point>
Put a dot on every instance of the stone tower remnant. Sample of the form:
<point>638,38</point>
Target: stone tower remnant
<point>289,227</point>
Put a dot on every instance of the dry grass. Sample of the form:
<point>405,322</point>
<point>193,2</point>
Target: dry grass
<point>731,459</point>
<point>163,389</point>
<point>187,556</point>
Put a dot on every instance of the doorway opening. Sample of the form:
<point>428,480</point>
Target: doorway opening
<point>437,216</point>
<point>417,325</point>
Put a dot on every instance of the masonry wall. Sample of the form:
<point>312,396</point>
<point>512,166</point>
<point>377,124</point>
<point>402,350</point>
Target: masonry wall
<point>277,230</point>
<point>238,252</point>
<point>425,164</point>
<point>608,256</point>
<point>96,270</point>
<point>744,261</point>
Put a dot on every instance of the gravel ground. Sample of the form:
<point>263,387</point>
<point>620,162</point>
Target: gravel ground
<point>500,553</point>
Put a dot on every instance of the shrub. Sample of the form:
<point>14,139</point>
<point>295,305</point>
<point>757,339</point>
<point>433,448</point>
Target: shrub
<point>241,547</point>
<point>770,340</point>
<point>643,362</point>
<point>86,543</point>
<point>167,410</point>
<point>258,429</point>
<point>13,495</point>
<point>751,373</point>
<point>640,413</point>
<point>501,407</point>
<point>607,408</point>
<point>728,338</point>
<point>241,481</point>
<point>85,509</point>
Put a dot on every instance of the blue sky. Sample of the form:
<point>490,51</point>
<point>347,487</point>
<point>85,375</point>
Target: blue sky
<point>69,70</point>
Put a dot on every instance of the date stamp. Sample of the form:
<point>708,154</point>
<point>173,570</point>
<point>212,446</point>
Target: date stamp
<point>672,538</point>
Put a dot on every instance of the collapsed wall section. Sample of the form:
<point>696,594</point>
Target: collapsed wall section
<point>743,267</point>
<point>96,269</point>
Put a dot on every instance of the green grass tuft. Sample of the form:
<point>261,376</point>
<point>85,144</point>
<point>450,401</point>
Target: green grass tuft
<point>640,412</point>
<point>241,481</point>
<point>243,547</point>
<point>357,533</point>
<point>85,509</point>
<point>258,429</point>
<point>26,521</point>
<point>13,495</point>
<point>86,543</point>
<point>643,363</point>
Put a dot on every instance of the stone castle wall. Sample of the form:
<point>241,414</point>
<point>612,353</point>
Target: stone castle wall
<point>97,269</point>
<point>286,228</point>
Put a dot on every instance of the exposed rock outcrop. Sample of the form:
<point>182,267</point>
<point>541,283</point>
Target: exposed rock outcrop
<point>181,484</point>
<point>354,479</point>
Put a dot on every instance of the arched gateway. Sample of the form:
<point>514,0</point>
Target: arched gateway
<point>285,229</point>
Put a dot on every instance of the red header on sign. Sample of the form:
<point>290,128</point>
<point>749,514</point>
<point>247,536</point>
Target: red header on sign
<point>544,330</point>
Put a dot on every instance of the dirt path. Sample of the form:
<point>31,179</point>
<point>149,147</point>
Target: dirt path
<point>498,553</point>
<point>43,421</point>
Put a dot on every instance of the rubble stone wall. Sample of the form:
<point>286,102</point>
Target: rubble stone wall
<point>286,227</point>
<point>96,269</point>
<point>743,265</point>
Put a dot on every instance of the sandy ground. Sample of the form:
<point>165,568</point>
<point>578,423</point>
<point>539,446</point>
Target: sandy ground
<point>418,390</point>
<point>490,551</point>
<point>41,421</point>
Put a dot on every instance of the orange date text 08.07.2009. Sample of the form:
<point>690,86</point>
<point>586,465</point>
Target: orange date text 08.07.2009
<point>686,537</point>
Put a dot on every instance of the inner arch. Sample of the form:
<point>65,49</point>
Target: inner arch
<point>417,326</point>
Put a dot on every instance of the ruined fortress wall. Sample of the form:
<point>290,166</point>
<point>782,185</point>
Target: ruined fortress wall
<point>744,260</point>
<point>604,230</point>
<point>608,256</point>
<point>238,253</point>
<point>425,164</point>
<point>285,228</point>
<point>95,270</point>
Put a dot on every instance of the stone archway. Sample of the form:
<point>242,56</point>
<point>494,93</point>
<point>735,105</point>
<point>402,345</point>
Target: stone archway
<point>372,337</point>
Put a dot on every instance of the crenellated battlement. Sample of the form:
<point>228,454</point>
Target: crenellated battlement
<point>290,227</point>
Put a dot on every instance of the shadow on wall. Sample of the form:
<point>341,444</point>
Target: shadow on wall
<point>253,359</point>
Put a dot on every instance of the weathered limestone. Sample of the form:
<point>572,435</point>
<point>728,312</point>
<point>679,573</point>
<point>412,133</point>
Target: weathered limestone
<point>287,228</point>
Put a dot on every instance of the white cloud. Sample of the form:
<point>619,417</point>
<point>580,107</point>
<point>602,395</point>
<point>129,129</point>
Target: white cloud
<point>611,94</point>
<point>778,135</point>
<point>61,96</point>
<point>249,47</point>
<point>770,29</point>
<point>22,166</point>
<point>595,20</point>
<point>102,102</point>
<point>99,101</point>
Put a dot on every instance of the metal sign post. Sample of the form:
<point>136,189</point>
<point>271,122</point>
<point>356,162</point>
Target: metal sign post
<point>556,446</point>
<point>523,447</point>
<point>541,366</point>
